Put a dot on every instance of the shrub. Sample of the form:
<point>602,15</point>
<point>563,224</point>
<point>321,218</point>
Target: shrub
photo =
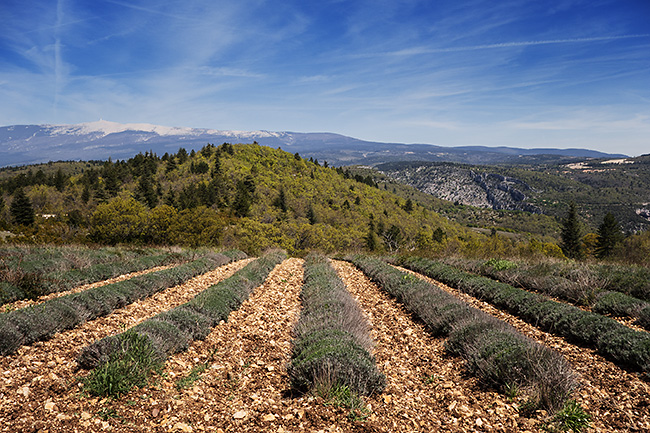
<point>332,358</point>
<point>631,280</point>
<point>130,365</point>
<point>500,264</point>
<point>622,345</point>
<point>28,325</point>
<point>618,304</point>
<point>331,350</point>
<point>493,350</point>
<point>644,318</point>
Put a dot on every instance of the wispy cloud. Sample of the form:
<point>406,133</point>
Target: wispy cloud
<point>416,51</point>
<point>58,61</point>
<point>588,121</point>
<point>412,71</point>
<point>153,10</point>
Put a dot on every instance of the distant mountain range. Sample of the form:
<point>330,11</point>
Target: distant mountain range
<point>31,144</point>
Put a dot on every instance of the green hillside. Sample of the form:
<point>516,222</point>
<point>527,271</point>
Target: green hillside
<point>243,195</point>
<point>516,223</point>
<point>252,197</point>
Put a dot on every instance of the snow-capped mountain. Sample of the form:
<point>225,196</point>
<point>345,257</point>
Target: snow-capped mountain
<point>103,128</point>
<point>30,144</point>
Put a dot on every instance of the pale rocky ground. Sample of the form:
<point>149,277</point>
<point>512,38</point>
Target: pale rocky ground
<point>245,387</point>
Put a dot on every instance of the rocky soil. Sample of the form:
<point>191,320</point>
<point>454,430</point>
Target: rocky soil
<point>30,302</point>
<point>245,386</point>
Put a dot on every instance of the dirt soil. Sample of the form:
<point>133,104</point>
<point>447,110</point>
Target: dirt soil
<point>245,386</point>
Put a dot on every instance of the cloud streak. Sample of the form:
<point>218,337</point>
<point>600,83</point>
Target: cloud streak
<point>403,71</point>
<point>512,44</point>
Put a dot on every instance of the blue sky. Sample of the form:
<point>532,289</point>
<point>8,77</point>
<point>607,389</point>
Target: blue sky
<point>452,72</point>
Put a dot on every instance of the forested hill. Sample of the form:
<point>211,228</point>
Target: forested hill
<point>243,195</point>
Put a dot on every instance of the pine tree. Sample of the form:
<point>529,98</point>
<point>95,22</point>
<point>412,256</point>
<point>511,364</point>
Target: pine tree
<point>21,209</point>
<point>170,165</point>
<point>571,243</point>
<point>59,180</point>
<point>371,237</point>
<point>439,235</point>
<point>408,206</point>
<point>281,201</point>
<point>242,201</point>
<point>85,194</point>
<point>181,155</point>
<point>145,191</point>
<point>311,215</point>
<point>609,234</point>
<point>216,168</point>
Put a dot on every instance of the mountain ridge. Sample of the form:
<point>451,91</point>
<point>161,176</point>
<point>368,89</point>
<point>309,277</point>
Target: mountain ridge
<point>31,144</point>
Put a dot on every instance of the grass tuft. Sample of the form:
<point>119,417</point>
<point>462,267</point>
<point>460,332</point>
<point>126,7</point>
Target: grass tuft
<point>129,366</point>
<point>572,417</point>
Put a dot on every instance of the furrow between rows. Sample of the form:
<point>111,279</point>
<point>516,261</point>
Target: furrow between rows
<point>426,390</point>
<point>29,302</point>
<point>46,369</point>
<point>617,400</point>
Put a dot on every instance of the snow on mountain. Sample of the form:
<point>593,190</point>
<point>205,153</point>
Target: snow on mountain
<point>31,144</point>
<point>104,127</point>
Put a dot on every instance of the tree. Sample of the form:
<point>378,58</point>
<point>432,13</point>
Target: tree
<point>408,206</point>
<point>111,180</point>
<point>571,243</point>
<point>243,199</point>
<point>170,165</point>
<point>159,221</point>
<point>392,238</point>
<point>145,191</point>
<point>121,220</point>
<point>371,238</point>
<point>311,215</point>
<point>195,227</point>
<point>21,209</point>
<point>281,201</point>
<point>75,218</point>
<point>85,194</point>
<point>59,180</point>
<point>609,235</point>
<point>181,155</point>
<point>439,235</point>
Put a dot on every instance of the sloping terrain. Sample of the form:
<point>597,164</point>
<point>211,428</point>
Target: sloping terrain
<point>465,185</point>
<point>619,186</point>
